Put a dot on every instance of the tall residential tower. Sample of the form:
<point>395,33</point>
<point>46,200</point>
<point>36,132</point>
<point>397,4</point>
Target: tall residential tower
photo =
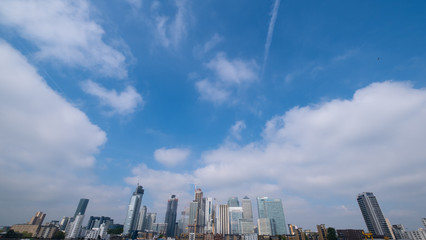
<point>373,215</point>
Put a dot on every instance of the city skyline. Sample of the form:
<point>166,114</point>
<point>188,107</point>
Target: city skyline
<point>228,220</point>
<point>311,103</point>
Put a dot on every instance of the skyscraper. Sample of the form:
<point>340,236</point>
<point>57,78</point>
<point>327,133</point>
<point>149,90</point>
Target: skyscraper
<point>193,212</point>
<point>142,219</point>
<point>151,218</point>
<point>247,208</point>
<point>171,213</point>
<point>233,202</point>
<point>373,215</point>
<point>208,215</point>
<point>131,221</point>
<point>81,208</point>
<point>75,229</point>
<point>235,215</point>
<point>273,210</point>
<point>199,218</point>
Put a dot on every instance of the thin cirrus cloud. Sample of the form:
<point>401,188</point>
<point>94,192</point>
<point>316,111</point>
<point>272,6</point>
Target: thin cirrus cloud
<point>377,134</point>
<point>48,142</point>
<point>201,50</point>
<point>171,157</point>
<point>122,103</point>
<point>64,31</point>
<point>170,32</point>
<point>230,75</point>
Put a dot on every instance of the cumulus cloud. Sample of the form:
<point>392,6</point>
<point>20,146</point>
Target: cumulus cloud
<point>64,31</point>
<point>45,145</point>
<point>121,103</point>
<point>211,92</point>
<point>329,152</point>
<point>231,75</point>
<point>172,156</point>
<point>236,71</point>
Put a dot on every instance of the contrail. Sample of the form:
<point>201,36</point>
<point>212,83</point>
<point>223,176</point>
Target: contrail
<point>274,14</point>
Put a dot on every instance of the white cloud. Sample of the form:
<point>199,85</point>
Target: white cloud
<point>46,146</point>
<point>237,128</point>
<point>328,153</point>
<point>231,76</point>
<point>64,31</point>
<point>210,92</point>
<point>171,32</point>
<point>172,156</point>
<point>122,103</point>
<point>235,71</point>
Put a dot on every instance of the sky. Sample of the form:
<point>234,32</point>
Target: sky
<point>309,101</point>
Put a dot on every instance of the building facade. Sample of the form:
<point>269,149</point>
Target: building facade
<point>142,219</point>
<point>37,219</point>
<point>247,208</point>
<point>170,219</point>
<point>273,210</point>
<point>235,215</point>
<point>223,219</point>
<point>81,208</point>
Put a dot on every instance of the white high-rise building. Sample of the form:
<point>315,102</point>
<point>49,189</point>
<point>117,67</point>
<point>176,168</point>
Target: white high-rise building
<point>223,219</point>
<point>208,214</point>
<point>75,228</point>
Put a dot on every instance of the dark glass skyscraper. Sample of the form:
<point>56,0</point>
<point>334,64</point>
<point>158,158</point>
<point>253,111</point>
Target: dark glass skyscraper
<point>81,208</point>
<point>171,213</point>
<point>373,215</point>
<point>131,221</point>
<point>233,202</point>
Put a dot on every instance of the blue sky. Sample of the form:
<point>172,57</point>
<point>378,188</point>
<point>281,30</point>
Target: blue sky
<point>312,102</point>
